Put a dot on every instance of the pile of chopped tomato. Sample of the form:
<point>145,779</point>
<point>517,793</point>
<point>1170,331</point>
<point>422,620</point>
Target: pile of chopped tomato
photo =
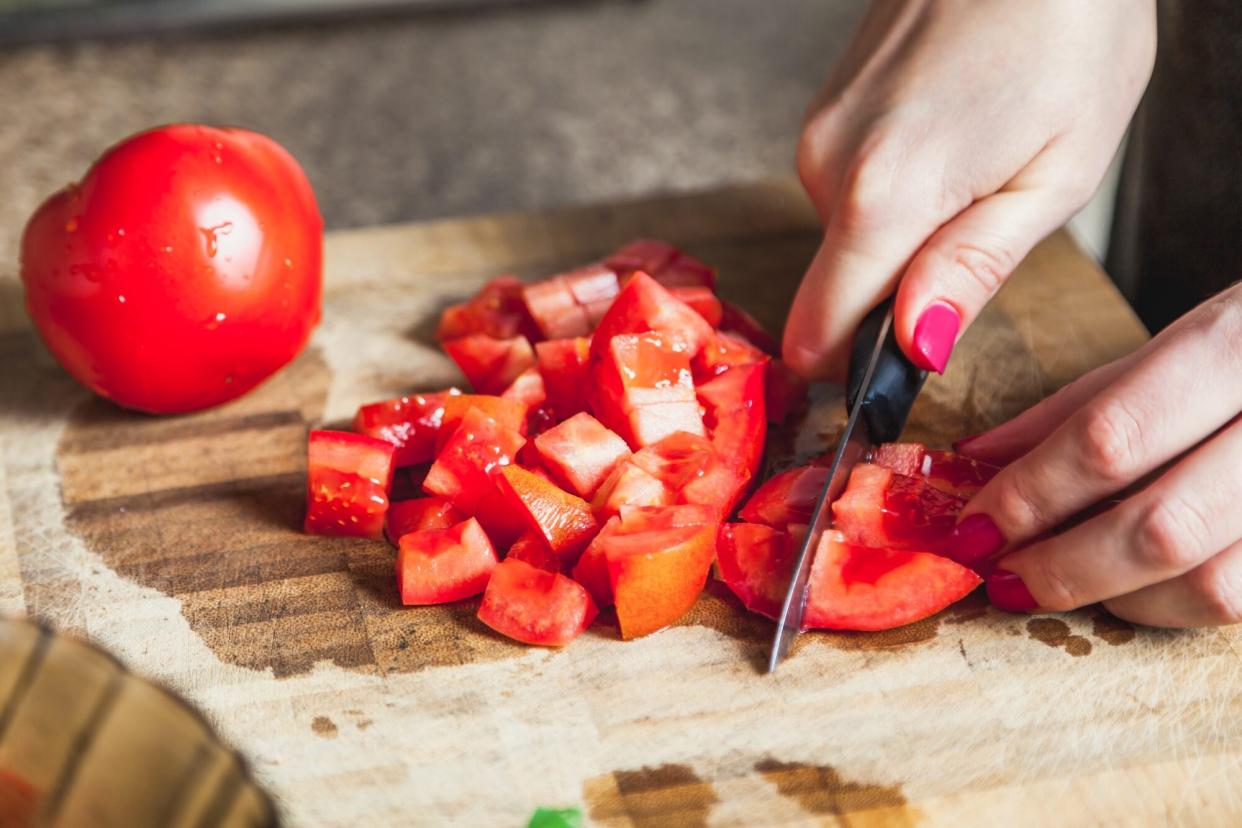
<point>617,415</point>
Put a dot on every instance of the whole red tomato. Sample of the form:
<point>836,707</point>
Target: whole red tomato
<point>183,269</point>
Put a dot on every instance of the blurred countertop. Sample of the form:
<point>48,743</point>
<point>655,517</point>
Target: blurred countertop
<point>454,112</point>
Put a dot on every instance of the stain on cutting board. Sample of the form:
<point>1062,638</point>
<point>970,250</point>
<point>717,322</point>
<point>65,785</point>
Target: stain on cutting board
<point>1056,633</point>
<point>667,796</point>
<point>820,789</point>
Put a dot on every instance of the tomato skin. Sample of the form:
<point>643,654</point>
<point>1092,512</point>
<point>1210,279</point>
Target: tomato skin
<point>787,498</point>
<point>184,268</point>
<point>564,521</point>
<point>347,480</point>
<point>405,516</point>
<point>944,470</point>
<point>534,606</point>
<point>657,576</point>
<point>883,509</point>
<point>411,424</point>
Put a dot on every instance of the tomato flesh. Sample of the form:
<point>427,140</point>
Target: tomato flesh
<point>564,521</point>
<point>563,364</point>
<point>664,262</point>
<point>510,413</point>
<point>944,470</point>
<point>880,508</point>
<point>630,484</point>
<point>787,498</point>
<point>347,482</point>
<point>411,424</point>
<point>436,566</point>
<point>534,606</point>
<point>736,415</point>
<point>465,470</point>
<point>690,467</point>
<point>497,310</point>
<point>705,303</point>
<point>735,320</point>
<point>405,516</point>
<point>532,548</point>
<point>722,352</point>
<point>580,453</point>
<point>644,305</point>
<point>528,389</point>
<point>656,576</point>
<point>490,365</point>
<point>181,271</point>
<point>644,390</point>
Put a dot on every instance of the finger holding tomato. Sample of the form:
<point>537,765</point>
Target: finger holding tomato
<point>181,271</point>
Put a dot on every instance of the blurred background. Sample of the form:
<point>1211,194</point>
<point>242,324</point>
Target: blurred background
<point>410,109</point>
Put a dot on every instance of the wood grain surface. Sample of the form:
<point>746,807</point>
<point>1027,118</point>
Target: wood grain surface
<point>174,542</point>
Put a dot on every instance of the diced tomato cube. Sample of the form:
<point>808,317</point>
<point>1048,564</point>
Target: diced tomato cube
<point>551,304</point>
<point>510,413</point>
<point>755,562</point>
<point>650,518</point>
<point>663,261</point>
<point>644,390</point>
<point>686,271</point>
<point>592,285</point>
<point>436,566</point>
<point>465,470</point>
<point>883,509</point>
<point>786,391</point>
<point>705,303</point>
<point>644,305</point>
<point>533,606</point>
<point>564,521</point>
<point>739,321</point>
<point>722,352</point>
<point>497,310</point>
<point>591,570</point>
<point>410,424</point>
<point>566,377</point>
<point>690,466</point>
<point>528,389</point>
<point>347,479</point>
<point>580,453</point>
<point>787,498</point>
<point>629,484</point>
<point>944,470</point>
<point>405,516</point>
<point>490,364</point>
<point>532,548</point>
<point>656,576</point>
<point>735,415</point>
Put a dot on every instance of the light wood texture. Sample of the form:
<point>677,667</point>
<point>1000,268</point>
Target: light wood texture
<point>174,543</point>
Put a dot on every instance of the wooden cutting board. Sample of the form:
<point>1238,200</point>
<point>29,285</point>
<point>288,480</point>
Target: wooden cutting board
<point>174,543</point>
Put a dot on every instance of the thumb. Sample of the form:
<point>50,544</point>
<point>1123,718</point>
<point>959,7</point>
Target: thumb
<point>964,264</point>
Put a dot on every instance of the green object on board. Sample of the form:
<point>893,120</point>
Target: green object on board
<point>556,818</point>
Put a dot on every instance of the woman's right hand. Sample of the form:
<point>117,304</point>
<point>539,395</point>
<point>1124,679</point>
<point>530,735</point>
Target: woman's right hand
<point>952,137</point>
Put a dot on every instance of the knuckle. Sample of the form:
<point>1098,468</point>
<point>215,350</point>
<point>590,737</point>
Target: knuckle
<point>1111,442</point>
<point>1219,589</point>
<point>1056,589</point>
<point>1171,536</point>
<point>987,265</point>
<point>1018,509</point>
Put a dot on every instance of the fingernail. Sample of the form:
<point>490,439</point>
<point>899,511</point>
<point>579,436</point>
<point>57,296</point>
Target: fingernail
<point>934,336</point>
<point>1007,592</point>
<point>974,539</point>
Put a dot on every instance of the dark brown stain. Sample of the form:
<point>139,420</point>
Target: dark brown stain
<point>667,796</point>
<point>820,789</point>
<point>1112,630</point>
<point>1056,633</point>
<point>224,538</point>
<point>324,727</point>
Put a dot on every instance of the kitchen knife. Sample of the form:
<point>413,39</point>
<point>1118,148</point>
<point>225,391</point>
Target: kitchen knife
<point>880,391</point>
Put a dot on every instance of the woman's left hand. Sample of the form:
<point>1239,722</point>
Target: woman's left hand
<point>1158,429</point>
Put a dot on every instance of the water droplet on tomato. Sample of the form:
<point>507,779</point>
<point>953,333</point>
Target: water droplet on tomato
<point>168,248</point>
<point>288,264</point>
<point>71,226</point>
<point>120,299</point>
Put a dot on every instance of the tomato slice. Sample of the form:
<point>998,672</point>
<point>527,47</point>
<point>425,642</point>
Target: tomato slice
<point>945,470</point>
<point>436,566</point>
<point>564,521</point>
<point>630,484</point>
<point>656,576</point>
<point>883,509</point>
<point>533,606</point>
<point>405,516</point>
<point>510,413</point>
<point>644,390</point>
<point>705,303</point>
<point>410,424</point>
<point>563,365</point>
<point>581,453</point>
<point>497,310</point>
<point>528,389</point>
<point>667,264</point>
<point>347,480</point>
<point>490,365</point>
<point>740,322</point>
<point>787,498</point>
<point>465,470</point>
<point>736,416</point>
<point>644,305</point>
<point>786,391</point>
<point>851,587</point>
<point>532,548</point>
<point>722,352</point>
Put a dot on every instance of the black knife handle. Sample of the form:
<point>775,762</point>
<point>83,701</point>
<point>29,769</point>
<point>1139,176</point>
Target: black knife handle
<point>896,381</point>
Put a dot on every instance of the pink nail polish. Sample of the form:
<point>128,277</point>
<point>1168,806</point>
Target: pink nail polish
<point>974,539</point>
<point>935,335</point>
<point>1007,592</point>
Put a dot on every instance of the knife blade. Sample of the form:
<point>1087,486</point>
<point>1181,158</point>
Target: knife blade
<point>880,392</point>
